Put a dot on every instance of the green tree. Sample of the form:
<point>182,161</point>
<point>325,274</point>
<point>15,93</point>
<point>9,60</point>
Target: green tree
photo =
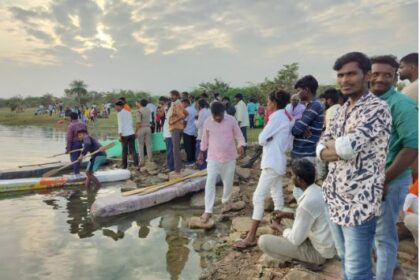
<point>285,79</point>
<point>15,103</point>
<point>78,89</point>
<point>216,86</point>
<point>47,99</point>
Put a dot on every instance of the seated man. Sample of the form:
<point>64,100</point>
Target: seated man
<point>309,240</point>
<point>411,210</point>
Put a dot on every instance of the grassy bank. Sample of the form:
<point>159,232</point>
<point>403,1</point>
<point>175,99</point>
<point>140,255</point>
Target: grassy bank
<point>102,127</point>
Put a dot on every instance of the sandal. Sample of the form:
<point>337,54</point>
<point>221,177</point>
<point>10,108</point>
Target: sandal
<point>242,245</point>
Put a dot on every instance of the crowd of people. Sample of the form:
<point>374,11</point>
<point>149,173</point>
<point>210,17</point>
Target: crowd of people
<point>353,150</point>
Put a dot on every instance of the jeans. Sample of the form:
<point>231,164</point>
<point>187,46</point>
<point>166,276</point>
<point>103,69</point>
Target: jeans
<point>189,147</point>
<point>243,130</point>
<point>386,238</point>
<point>251,121</point>
<point>169,154</point>
<point>176,149</point>
<point>74,156</point>
<point>354,246</point>
<point>203,165</point>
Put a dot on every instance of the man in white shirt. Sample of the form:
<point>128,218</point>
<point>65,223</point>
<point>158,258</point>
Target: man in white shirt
<point>189,135</point>
<point>242,114</point>
<point>166,104</point>
<point>152,109</point>
<point>309,240</point>
<point>409,70</point>
<point>126,134</point>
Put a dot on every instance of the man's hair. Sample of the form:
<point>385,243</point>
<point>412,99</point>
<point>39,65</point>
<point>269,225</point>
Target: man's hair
<point>185,93</point>
<point>186,100</point>
<point>74,116</point>
<point>204,95</point>
<point>360,58</point>
<point>202,103</point>
<point>281,97</point>
<point>216,94</point>
<point>119,103</point>
<point>304,169</point>
<point>217,108</point>
<point>174,92</point>
<point>390,60</point>
<point>308,82</point>
<point>163,99</point>
<point>122,99</point>
<point>143,102</point>
<point>412,58</point>
<point>82,130</point>
<point>332,94</point>
<point>239,96</point>
<point>226,98</point>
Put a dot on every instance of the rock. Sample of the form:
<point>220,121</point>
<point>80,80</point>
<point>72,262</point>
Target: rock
<point>241,224</point>
<point>150,166</point>
<point>197,245</point>
<point>197,200</point>
<point>209,245</point>
<point>264,230</point>
<point>234,236</point>
<point>408,246</point>
<point>129,186</point>
<point>268,262</point>
<point>244,173</point>
<point>153,172</point>
<point>296,274</point>
<point>195,223</point>
<point>236,193</point>
<point>268,204</point>
<point>237,206</point>
<point>163,176</point>
<point>331,269</point>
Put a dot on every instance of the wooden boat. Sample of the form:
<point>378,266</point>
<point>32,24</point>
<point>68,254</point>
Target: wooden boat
<point>28,184</point>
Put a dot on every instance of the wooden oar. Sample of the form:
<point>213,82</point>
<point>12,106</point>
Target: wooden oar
<point>155,188</point>
<point>39,164</point>
<point>73,151</point>
<point>55,171</point>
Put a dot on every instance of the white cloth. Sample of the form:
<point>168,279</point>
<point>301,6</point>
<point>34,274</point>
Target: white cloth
<point>202,117</point>
<point>190,128</point>
<point>311,221</point>
<point>242,114</point>
<point>166,131</point>
<point>269,180</point>
<point>226,171</point>
<point>152,109</point>
<point>125,123</point>
<point>274,151</point>
<point>343,148</point>
<point>412,90</point>
<point>411,202</point>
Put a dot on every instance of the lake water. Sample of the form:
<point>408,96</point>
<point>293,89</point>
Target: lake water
<point>50,234</point>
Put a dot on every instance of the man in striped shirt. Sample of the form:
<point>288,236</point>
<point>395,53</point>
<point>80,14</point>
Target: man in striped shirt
<point>308,129</point>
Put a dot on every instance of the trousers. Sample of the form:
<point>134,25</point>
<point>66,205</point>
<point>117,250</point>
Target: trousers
<point>226,171</point>
<point>144,137</point>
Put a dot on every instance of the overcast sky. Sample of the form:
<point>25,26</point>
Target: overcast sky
<point>159,45</point>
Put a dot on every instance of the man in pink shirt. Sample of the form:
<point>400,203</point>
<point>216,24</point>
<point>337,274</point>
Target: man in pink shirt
<point>223,140</point>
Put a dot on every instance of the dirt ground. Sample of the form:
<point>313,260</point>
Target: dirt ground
<point>221,261</point>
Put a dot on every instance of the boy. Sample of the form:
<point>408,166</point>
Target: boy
<point>220,132</point>
<point>91,145</point>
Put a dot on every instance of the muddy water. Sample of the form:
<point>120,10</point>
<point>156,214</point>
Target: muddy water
<point>51,235</point>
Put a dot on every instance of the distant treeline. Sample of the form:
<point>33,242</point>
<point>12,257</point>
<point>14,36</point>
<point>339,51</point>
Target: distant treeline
<point>78,92</point>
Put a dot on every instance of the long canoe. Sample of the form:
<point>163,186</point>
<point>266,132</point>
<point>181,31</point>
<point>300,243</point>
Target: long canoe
<point>28,184</point>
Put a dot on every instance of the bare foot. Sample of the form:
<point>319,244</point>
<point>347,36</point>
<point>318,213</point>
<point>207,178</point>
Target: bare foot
<point>205,218</point>
<point>276,227</point>
<point>244,244</point>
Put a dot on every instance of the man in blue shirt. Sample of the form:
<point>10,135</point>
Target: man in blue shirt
<point>252,110</point>
<point>308,129</point>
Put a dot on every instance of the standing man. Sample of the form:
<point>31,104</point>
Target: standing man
<point>409,70</point>
<point>355,145</point>
<point>242,114</point>
<point>402,153</point>
<point>230,109</point>
<point>165,105</point>
<point>190,132</point>
<point>177,114</point>
<point>308,129</point>
<point>73,142</point>
<point>252,110</point>
<point>153,110</point>
<point>331,97</point>
<point>295,108</point>
<point>203,114</point>
<point>126,134</point>
<point>143,130</point>
<point>223,141</point>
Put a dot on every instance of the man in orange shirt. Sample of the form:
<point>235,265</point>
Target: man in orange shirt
<point>177,114</point>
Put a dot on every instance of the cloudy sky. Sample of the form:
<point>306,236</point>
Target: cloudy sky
<point>158,45</point>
